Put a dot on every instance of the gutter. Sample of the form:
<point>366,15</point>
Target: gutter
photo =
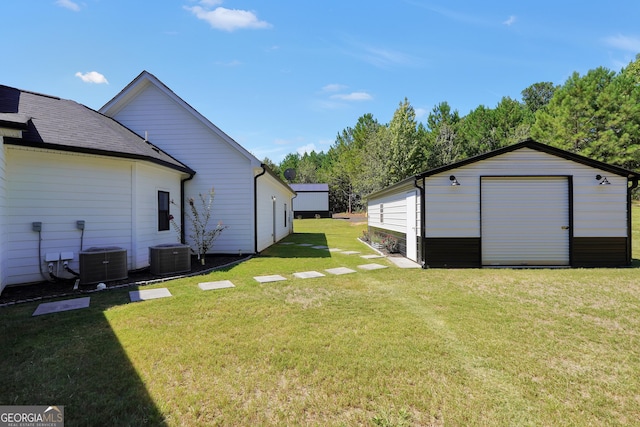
<point>423,227</point>
<point>255,207</point>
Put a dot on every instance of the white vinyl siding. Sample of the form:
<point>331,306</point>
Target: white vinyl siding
<point>311,201</point>
<point>268,188</point>
<point>454,211</point>
<point>394,215</point>
<point>148,180</point>
<point>412,225</point>
<point>3,204</point>
<point>525,221</point>
<point>117,199</point>
<point>218,164</point>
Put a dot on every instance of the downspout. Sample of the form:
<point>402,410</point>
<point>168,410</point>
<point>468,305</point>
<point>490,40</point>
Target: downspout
<point>292,213</point>
<point>183,238</point>
<point>423,228</point>
<point>255,206</point>
<point>634,184</point>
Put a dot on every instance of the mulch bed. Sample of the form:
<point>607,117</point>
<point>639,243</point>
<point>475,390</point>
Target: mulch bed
<point>45,290</point>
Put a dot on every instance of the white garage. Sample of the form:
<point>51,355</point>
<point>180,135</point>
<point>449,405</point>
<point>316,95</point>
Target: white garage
<point>528,204</point>
<point>312,201</point>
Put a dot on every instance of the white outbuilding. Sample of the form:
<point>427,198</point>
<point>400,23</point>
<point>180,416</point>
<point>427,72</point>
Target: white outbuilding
<point>312,201</point>
<point>528,204</point>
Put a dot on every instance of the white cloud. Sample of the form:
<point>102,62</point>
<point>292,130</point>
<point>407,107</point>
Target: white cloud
<point>225,19</point>
<point>92,77</point>
<point>630,44</point>
<point>510,21</point>
<point>306,149</point>
<point>68,4</point>
<point>353,96</point>
<point>333,87</point>
<point>421,112</point>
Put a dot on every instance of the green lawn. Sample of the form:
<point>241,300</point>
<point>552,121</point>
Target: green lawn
<point>379,348</point>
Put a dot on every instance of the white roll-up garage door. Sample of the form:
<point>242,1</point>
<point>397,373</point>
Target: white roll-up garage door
<point>525,221</point>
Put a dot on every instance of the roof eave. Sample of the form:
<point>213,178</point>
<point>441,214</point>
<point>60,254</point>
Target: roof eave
<point>84,150</point>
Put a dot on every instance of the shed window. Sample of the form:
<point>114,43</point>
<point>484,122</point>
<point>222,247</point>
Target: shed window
<point>163,210</point>
<point>381,213</point>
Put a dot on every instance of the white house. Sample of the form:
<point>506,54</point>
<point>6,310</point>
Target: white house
<point>528,204</point>
<point>72,179</point>
<point>312,200</point>
<point>250,200</point>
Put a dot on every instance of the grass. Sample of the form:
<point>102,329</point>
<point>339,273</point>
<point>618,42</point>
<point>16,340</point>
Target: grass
<point>389,347</point>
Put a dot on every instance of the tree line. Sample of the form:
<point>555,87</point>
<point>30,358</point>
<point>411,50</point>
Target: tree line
<point>596,115</point>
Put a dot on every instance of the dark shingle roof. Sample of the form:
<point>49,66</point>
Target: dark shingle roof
<point>66,125</point>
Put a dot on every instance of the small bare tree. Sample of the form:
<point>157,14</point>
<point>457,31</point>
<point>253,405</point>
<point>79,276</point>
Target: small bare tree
<point>199,214</point>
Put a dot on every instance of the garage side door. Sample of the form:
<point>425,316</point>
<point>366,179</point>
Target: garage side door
<point>525,221</point>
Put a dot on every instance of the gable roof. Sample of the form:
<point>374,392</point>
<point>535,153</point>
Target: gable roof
<point>527,143</point>
<point>65,125</point>
<point>144,79</point>
<point>535,145</point>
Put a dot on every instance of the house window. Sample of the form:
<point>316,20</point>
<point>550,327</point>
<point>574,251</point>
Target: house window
<point>285,215</point>
<point>381,213</point>
<point>163,210</point>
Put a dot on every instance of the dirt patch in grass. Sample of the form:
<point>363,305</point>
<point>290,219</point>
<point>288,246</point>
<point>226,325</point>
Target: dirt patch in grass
<point>353,218</point>
<point>46,290</point>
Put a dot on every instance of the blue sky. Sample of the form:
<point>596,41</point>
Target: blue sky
<point>287,76</point>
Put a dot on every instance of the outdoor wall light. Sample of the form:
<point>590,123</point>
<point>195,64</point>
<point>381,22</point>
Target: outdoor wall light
<point>603,180</point>
<point>453,180</point>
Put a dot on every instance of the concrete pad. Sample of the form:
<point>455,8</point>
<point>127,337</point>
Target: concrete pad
<point>147,294</point>
<point>305,244</point>
<point>372,256</point>
<point>308,275</point>
<point>340,270</point>
<point>320,247</point>
<point>350,252</point>
<point>404,262</point>
<point>222,284</point>
<point>268,279</point>
<point>58,306</point>
<point>372,266</point>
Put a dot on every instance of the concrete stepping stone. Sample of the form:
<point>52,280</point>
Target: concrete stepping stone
<point>222,284</point>
<point>58,306</point>
<point>308,275</point>
<point>320,247</point>
<point>286,243</point>
<point>335,250</point>
<point>372,256</point>
<point>350,252</point>
<point>340,270</point>
<point>305,244</point>
<point>269,279</point>
<point>373,266</point>
<point>148,294</point>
